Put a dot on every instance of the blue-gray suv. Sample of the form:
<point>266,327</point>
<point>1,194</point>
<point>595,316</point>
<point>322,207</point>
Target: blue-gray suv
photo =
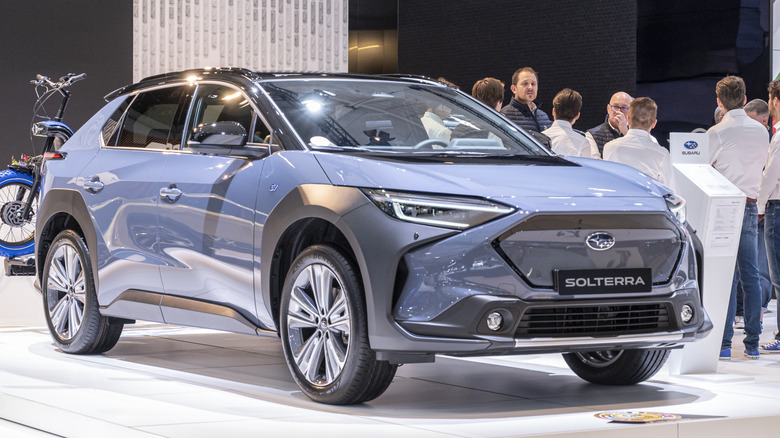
<point>367,222</point>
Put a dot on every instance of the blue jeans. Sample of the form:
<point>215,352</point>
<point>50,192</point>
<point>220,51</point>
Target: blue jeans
<point>772,239</point>
<point>746,271</point>
<point>763,272</point>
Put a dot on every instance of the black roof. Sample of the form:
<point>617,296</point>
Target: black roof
<point>246,74</point>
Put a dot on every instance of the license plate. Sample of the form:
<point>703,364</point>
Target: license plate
<point>603,281</point>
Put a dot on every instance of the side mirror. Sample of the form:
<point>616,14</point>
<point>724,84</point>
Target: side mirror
<point>209,136</point>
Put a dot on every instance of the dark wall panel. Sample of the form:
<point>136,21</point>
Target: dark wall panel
<point>54,38</point>
<point>685,48</point>
<point>589,46</point>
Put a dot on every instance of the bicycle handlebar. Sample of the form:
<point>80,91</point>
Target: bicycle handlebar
<point>64,81</point>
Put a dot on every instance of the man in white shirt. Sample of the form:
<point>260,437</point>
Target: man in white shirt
<point>769,207</point>
<point>638,148</point>
<point>739,147</point>
<point>564,140</point>
<point>433,122</point>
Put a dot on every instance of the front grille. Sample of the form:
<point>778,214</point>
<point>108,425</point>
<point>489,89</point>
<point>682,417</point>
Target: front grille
<point>543,243</point>
<point>593,320</point>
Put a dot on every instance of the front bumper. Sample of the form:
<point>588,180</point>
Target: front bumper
<point>566,326</point>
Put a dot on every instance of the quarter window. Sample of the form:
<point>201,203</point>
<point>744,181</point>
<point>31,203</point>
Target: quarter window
<point>111,128</point>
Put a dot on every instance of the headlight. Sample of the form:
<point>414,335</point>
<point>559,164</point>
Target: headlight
<point>440,211</point>
<point>676,205</point>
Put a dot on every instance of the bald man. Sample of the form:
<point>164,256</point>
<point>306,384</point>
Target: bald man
<point>615,125</point>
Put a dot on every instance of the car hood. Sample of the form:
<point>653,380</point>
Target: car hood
<point>573,177</point>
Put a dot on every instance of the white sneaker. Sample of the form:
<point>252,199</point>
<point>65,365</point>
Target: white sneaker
<point>739,322</point>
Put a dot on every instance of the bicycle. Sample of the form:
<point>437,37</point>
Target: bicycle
<point>20,183</point>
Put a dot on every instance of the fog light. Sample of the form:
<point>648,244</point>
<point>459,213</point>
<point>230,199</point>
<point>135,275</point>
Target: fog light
<point>686,313</point>
<point>495,321</point>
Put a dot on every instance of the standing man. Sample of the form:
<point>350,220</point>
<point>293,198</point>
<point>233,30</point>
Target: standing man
<point>769,207</point>
<point>615,125</point>
<point>566,111</point>
<point>758,110</point>
<point>489,91</point>
<point>521,110</point>
<point>739,147</point>
<point>638,148</point>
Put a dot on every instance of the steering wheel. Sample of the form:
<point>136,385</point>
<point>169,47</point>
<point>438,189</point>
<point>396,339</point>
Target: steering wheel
<point>429,144</point>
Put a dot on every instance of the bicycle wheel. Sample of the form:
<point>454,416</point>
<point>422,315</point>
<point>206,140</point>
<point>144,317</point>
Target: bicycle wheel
<point>16,233</point>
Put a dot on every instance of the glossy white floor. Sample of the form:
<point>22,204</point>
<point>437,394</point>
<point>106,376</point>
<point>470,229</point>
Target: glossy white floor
<point>170,381</point>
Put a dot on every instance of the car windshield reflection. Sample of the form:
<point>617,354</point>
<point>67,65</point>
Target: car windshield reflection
<point>373,116</point>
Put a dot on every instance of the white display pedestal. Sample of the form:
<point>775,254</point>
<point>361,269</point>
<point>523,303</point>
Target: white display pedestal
<point>715,208</point>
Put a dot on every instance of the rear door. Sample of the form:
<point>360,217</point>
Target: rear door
<point>120,187</point>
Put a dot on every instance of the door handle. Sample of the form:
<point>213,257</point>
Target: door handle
<point>94,185</point>
<point>170,193</point>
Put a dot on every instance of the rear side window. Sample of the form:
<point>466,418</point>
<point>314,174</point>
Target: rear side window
<point>148,120</point>
<point>111,128</point>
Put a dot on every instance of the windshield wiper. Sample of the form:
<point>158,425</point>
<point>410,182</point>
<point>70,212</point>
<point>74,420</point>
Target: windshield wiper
<point>334,148</point>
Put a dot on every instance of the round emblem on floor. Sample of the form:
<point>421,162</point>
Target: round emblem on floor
<point>636,417</point>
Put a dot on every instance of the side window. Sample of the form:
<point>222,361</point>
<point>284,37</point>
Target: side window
<point>148,120</point>
<point>217,103</point>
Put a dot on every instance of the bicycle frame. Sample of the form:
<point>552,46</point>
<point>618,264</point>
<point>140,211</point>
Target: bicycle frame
<point>52,130</point>
<point>18,209</point>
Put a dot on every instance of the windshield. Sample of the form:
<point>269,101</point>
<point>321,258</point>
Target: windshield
<point>394,117</point>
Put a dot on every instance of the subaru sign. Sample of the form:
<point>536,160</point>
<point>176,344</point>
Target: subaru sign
<point>691,144</point>
<point>689,147</point>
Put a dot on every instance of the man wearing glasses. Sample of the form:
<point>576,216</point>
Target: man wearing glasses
<point>615,125</point>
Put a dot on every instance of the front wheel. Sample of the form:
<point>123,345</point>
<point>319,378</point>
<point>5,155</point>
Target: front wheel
<point>70,300</point>
<point>324,330</point>
<point>16,232</point>
<point>617,367</point>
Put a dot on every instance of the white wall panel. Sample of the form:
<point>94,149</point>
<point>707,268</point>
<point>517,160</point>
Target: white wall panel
<point>269,35</point>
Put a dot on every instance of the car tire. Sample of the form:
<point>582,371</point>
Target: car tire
<point>617,367</point>
<point>325,335</point>
<point>70,300</point>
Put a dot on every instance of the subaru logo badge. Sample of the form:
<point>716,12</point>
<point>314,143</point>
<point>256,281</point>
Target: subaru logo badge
<point>600,241</point>
<point>691,144</point>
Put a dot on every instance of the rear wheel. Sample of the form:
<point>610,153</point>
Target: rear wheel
<point>324,330</point>
<point>617,367</point>
<point>16,232</point>
<point>70,300</point>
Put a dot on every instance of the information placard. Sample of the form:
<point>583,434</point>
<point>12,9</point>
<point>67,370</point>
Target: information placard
<point>689,147</point>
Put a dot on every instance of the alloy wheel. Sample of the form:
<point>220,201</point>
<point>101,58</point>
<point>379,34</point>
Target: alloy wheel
<point>318,323</point>
<point>66,291</point>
